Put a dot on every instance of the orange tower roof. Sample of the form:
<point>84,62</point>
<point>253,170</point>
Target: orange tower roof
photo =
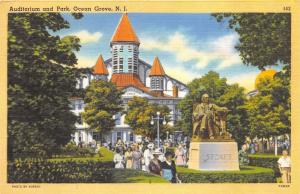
<point>157,69</point>
<point>124,32</point>
<point>100,67</point>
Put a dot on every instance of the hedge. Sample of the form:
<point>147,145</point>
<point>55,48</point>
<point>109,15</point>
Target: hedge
<point>105,155</point>
<point>135,176</point>
<point>42,171</point>
<point>266,161</point>
<point>248,174</point>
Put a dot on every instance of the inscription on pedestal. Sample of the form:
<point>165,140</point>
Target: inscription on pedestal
<point>214,156</point>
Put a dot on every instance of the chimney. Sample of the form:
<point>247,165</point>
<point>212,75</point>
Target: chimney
<point>175,91</point>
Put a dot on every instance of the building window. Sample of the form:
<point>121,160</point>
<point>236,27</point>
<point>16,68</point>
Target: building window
<point>115,62</point>
<point>135,70</point>
<point>121,61</point>
<point>119,135</point>
<point>157,83</point>
<point>79,106</point>
<point>121,49</point>
<point>129,65</point>
<point>131,137</point>
<point>152,83</point>
<point>129,49</point>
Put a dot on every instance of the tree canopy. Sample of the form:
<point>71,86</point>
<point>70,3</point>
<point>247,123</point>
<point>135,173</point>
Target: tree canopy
<point>265,41</point>
<point>139,114</point>
<point>41,78</point>
<point>269,110</point>
<point>102,102</point>
<point>222,94</point>
<point>264,38</point>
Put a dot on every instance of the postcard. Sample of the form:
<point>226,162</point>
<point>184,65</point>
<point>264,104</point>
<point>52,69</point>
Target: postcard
<point>149,97</point>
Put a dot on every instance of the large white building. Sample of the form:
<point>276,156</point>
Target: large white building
<point>135,77</point>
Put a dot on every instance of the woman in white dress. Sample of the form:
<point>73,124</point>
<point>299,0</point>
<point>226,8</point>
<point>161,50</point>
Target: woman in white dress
<point>119,159</point>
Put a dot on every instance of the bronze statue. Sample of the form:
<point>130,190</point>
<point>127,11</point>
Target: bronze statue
<point>209,121</point>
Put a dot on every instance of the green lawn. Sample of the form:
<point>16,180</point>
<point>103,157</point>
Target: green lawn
<point>135,176</point>
<point>106,156</point>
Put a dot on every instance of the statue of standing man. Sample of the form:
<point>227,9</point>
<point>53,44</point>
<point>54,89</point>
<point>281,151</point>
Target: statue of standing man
<point>209,120</point>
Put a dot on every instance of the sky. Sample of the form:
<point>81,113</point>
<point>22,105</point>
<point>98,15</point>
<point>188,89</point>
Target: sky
<point>188,45</point>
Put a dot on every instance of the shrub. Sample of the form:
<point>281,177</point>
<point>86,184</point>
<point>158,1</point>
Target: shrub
<point>105,154</point>
<point>267,161</point>
<point>247,174</point>
<point>42,171</point>
<point>135,176</point>
<point>72,150</point>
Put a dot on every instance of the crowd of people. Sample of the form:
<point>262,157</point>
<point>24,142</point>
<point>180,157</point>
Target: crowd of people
<point>144,156</point>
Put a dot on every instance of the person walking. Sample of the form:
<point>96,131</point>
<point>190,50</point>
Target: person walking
<point>136,158</point>
<point>128,158</point>
<point>284,165</point>
<point>120,145</point>
<point>185,154</point>
<point>169,168</point>
<point>179,155</point>
<point>148,156</point>
<point>119,159</point>
<point>252,148</point>
<point>155,163</point>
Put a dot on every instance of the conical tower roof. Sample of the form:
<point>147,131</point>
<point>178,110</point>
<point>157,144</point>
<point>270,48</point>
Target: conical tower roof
<point>100,67</point>
<point>124,31</point>
<point>157,69</point>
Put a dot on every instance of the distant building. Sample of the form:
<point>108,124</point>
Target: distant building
<point>135,77</point>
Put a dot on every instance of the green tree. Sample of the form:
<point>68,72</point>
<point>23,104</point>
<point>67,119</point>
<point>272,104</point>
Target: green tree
<point>102,101</point>
<point>221,93</point>
<point>264,38</point>
<point>139,114</point>
<point>264,41</point>
<point>267,115</point>
<point>41,78</point>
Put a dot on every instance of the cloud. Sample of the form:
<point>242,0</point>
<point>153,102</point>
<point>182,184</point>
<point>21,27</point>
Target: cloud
<point>220,50</point>
<point>87,37</point>
<point>182,74</point>
<point>245,80</point>
<point>85,61</point>
<point>223,49</point>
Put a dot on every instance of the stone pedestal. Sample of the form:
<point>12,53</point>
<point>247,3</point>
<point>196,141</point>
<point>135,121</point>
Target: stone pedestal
<point>213,156</point>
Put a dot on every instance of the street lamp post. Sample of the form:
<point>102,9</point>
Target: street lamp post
<point>158,118</point>
<point>168,136</point>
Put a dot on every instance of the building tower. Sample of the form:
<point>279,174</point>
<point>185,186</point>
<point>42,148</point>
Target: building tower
<point>125,48</point>
<point>156,75</point>
<point>100,71</point>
